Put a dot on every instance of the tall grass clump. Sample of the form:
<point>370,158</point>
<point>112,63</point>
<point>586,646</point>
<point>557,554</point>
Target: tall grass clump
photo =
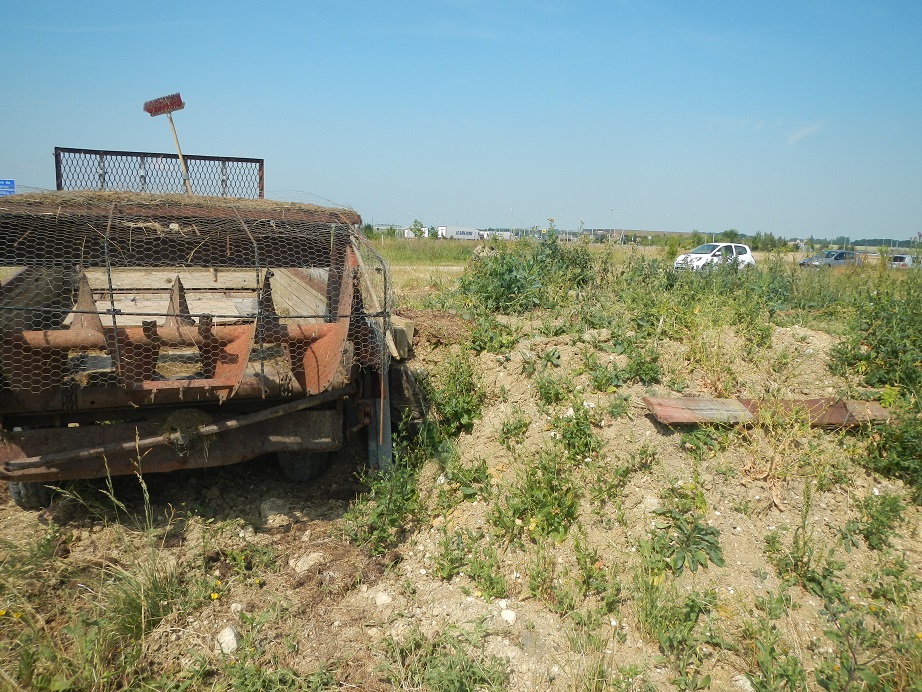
<point>424,251</point>
<point>884,346</point>
<point>70,625</point>
<point>388,510</point>
<point>513,278</point>
<point>884,340</point>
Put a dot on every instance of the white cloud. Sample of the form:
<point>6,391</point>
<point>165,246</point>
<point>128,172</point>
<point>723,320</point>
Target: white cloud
<point>805,132</point>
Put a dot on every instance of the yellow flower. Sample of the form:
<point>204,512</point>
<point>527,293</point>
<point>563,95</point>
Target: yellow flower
<point>217,582</point>
<point>214,596</point>
<point>2,613</point>
<point>918,635</point>
<point>16,616</point>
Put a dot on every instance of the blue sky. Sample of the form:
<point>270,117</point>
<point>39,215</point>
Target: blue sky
<point>794,118</point>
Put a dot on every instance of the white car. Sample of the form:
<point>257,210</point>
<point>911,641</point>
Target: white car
<point>902,261</point>
<point>711,254</point>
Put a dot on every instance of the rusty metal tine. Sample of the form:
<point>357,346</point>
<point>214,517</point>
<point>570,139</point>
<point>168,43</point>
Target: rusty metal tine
<point>178,312</point>
<point>86,315</point>
<point>210,349</point>
<point>267,319</point>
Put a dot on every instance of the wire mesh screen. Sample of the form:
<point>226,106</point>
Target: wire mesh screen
<point>133,171</point>
<point>112,299</point>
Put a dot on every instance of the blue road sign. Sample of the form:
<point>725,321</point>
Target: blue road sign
<point>7,187</point>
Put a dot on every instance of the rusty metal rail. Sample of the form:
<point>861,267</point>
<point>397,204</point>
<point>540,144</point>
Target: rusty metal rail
<point>180,439</point>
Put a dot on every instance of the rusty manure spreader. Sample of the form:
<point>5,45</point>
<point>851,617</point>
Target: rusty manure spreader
<point>149,333</point>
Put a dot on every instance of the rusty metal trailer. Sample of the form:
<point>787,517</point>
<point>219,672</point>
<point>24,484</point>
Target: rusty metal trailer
<point>149,333</point>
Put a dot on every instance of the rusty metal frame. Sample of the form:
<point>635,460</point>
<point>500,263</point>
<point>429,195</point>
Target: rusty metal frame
<point>288,400</point>
<point>98,451</point>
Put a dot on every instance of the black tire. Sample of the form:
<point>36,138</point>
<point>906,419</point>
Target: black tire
<point>31,495</point>
<point>301,467</point>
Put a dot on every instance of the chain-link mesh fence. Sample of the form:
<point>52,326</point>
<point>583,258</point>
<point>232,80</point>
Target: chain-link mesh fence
<point>217,176</point>
<point>116,300</point>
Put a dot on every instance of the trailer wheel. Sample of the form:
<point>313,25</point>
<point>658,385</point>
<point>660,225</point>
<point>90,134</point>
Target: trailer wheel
<point>301,467</point>
<point>30,495</point>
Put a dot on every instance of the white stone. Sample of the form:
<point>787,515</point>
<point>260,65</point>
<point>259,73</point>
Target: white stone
<point>382,599</point>
<point>226,642</point>
<point>742,682</point>
<point>236,608</point>
<point>271,507</point>
<point>306,562</point>
<point>508,616</point>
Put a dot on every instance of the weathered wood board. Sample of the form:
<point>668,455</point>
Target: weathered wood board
<point>821,412</point>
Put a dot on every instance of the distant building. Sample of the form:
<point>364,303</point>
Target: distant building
<point>500,235</point>
<point>458,233</point>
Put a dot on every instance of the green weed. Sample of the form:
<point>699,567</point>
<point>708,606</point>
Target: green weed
<point>458,482</point>
<point>574,429</point>
<point>872,650</point>
<point>778,668</point>
<point>456,394</point>
<point>682,540</point>
<point>542,504</point>
<point>895,451</point>
<point>452,660</point>
<point>891,581</point>
<point>801,563</point>
<point>880,515</point>
<point>490,335</point>
<point>512,430</point>
<point>99,635</point>
<point>775,605</point>
<point>384,514</point>
<point>469,553</point>
<point>552,389</point>
<point>670,621</point>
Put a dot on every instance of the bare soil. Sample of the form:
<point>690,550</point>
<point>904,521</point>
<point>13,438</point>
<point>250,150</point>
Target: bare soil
<point>329,604</point>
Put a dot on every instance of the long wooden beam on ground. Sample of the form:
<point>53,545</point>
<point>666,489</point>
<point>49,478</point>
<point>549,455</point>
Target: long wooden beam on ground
<point>821,412</point>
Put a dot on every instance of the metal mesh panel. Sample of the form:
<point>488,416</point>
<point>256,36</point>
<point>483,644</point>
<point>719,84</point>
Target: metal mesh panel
<point>116,300</point>
<point>217,176</point>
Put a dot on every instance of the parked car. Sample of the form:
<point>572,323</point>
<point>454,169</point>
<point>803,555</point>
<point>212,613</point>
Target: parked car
<point>712,254</point>
<point>831,258</point>
<point>902,262</point>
